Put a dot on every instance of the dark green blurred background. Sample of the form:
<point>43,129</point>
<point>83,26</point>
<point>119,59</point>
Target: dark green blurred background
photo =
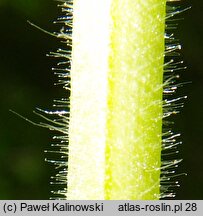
<point>27,83</point>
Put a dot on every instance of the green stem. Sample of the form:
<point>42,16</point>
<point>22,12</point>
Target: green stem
<point>116,99</point>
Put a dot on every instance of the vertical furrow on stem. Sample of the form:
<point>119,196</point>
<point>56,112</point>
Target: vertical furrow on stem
<point>134,119</point>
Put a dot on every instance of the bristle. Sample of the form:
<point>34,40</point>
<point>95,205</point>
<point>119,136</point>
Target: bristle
<point>171,105</point>
<point>58,120</point>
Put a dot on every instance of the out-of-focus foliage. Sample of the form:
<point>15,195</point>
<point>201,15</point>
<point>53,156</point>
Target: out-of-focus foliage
<point>27,7</point>
<point>26,82</point>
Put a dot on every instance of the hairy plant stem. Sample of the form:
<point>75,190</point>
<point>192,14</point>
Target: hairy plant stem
<point>116,99</point>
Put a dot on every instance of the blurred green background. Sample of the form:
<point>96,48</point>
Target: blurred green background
<point>27,82</point>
